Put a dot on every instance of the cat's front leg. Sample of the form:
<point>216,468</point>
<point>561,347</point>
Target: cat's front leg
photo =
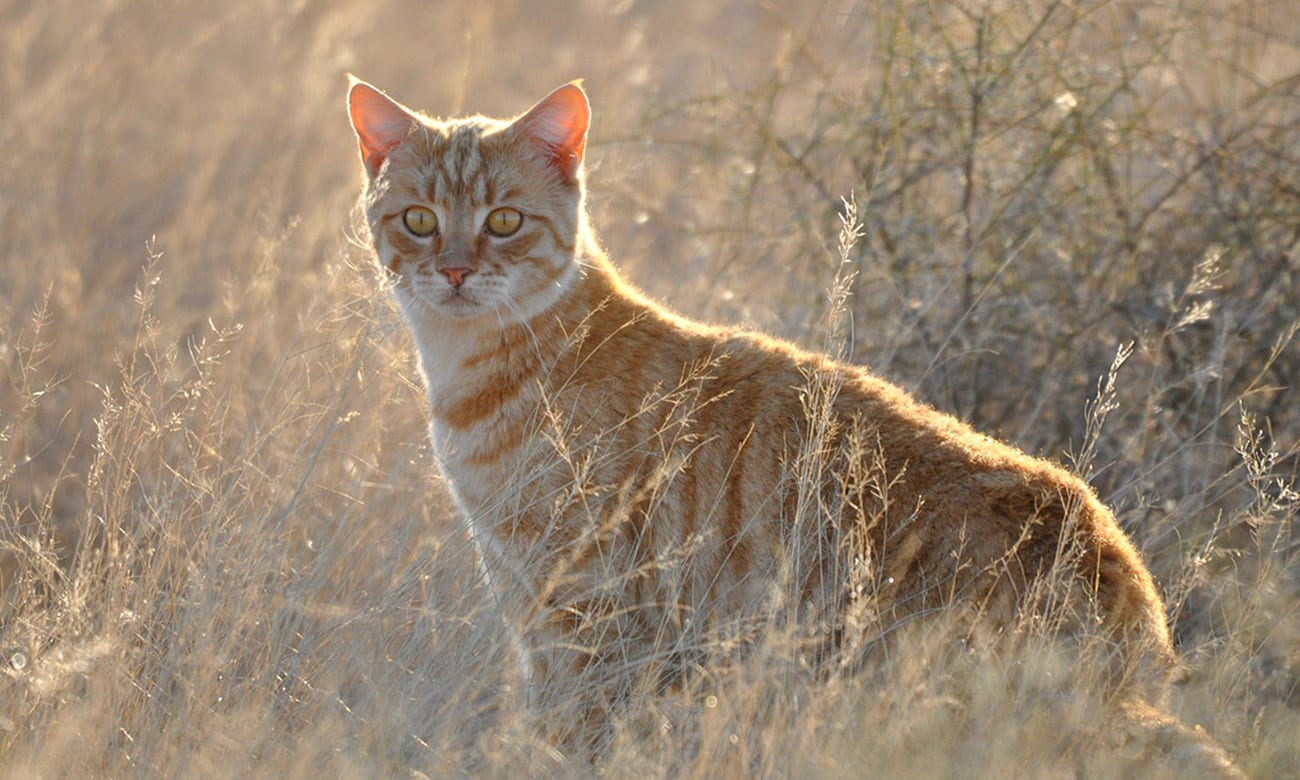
<point>576,676</point>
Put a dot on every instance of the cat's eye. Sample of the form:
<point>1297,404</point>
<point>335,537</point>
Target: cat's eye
<point>420,221</point>
<point>504,222</point>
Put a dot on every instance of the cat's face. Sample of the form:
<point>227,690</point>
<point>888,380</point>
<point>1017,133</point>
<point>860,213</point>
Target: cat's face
<point>474,217</point>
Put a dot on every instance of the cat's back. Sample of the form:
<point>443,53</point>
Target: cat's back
<point>950,510</point>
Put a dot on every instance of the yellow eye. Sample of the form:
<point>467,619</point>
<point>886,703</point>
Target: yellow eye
<point>420,221</point>
<point>504,222</point>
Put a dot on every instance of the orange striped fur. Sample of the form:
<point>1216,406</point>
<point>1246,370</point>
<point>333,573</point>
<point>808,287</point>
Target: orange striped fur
<point>644,489</point>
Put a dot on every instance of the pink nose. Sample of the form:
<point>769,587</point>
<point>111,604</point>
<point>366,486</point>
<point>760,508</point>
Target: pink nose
<point>456,275</point>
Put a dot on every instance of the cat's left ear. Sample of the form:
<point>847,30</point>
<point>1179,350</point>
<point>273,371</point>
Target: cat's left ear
<point>558,125</point>
<point>380,122</point>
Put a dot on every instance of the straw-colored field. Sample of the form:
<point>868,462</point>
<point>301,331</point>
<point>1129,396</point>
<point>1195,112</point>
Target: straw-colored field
<point>223,547</point>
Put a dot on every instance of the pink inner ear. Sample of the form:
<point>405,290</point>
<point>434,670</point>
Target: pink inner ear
<point>380,122</point>
<point>559,124</point>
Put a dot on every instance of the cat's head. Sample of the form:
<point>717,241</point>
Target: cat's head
<point>474,217</point>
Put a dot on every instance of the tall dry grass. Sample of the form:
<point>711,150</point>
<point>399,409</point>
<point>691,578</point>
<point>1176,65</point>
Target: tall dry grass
<point>222,547</point>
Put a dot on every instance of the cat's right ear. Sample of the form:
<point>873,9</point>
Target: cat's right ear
<point>380,122</point>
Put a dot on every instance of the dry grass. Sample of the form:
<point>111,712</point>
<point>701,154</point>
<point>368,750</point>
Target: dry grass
<point>222,549</point>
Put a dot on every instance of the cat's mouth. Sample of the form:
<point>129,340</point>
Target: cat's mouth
<point>458,300</point>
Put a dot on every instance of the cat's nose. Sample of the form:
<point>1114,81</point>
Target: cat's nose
<point>456,275</point>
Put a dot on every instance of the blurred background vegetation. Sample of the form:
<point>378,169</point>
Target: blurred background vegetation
<point>205,391</point>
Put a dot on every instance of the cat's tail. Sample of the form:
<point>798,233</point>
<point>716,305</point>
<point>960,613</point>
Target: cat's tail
<point>1156,744</point>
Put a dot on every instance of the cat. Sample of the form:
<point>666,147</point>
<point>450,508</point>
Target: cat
<point>646,492</point>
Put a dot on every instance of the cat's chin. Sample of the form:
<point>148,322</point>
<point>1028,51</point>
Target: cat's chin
<point>459,306</point>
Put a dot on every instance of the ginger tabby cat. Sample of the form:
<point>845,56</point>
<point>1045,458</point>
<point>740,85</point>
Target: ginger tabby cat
<point>646,491</point>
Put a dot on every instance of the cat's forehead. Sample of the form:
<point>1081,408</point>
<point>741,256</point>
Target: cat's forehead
<point>456,159</point>
<point>462,131</point>
<point>462,143</point>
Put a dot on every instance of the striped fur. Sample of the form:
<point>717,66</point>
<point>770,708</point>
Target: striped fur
<point>645,490</point>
